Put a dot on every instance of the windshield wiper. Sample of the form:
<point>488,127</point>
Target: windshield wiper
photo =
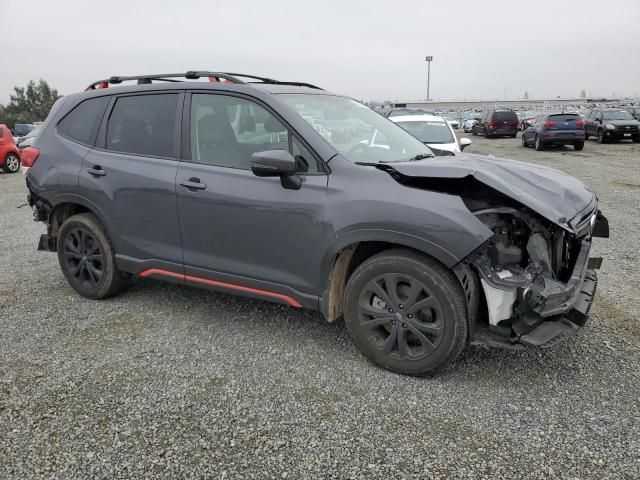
<point>421,156</point>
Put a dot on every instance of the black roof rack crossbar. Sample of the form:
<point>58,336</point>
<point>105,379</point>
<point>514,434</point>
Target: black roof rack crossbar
<point>167,77</point>
<point>193,75</point>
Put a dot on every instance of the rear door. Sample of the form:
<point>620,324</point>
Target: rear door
<point>242,232</point>
<point>130,177</point>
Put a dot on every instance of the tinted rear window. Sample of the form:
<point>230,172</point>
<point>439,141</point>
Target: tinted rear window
<point>144,125</point>
<point>81,124</point>
<point>564,118</point>
<point>505,116</point>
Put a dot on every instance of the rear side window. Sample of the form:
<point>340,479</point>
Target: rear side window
<point>504,116</point>
<point>144,125</point>
<point>81,124</point>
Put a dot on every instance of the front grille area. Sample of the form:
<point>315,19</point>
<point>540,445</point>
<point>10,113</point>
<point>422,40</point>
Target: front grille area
<point>627,129</point>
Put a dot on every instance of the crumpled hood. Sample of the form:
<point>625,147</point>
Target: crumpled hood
<point>553,194</point>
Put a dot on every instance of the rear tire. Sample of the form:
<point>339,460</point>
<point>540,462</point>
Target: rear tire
<point>538,144</point>
<point>578,146</point>
<point>12,163</point>
<point>406,312</point>
<point>87,258</point>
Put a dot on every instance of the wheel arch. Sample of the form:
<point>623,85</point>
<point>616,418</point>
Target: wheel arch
<point>344,256</point>
<point>66,206</point>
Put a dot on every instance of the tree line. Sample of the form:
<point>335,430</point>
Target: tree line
<point>29,104</point>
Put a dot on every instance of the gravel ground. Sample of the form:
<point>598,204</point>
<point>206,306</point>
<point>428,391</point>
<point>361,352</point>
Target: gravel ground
<point>168,381</point>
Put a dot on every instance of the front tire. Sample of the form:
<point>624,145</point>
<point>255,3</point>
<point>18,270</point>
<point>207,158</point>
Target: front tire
<point>524,142</point>
<point>600,137</point>
<point>12,163</point>
<point>87,258</point>
<point>406,312</point>
<point>636,139</point>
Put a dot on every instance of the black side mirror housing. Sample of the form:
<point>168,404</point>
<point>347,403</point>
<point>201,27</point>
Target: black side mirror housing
<point>276,163</point>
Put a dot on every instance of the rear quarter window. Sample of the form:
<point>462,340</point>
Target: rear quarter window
<point>81,124</point>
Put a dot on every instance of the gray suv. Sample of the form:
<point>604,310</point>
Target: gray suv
<point>274,190</point>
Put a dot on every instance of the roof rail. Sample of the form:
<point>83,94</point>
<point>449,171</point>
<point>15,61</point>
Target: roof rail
<point>194,75</point>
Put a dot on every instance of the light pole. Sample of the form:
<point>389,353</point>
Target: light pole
<point>428,60</point>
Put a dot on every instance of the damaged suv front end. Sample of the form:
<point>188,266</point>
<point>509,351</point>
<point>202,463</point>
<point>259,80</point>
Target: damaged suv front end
<point>537,278</point>
<point>532,282</point>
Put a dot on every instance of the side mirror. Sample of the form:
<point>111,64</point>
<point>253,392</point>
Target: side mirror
<point>464,143</point>
<point>276,163</point>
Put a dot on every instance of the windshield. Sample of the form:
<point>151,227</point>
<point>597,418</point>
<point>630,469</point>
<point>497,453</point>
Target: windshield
<point>429,131</point>
<point>621,115</point>
<point>354,130</point>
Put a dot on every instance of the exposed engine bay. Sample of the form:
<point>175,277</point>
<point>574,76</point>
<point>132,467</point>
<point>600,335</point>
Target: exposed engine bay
<point>536,278</point>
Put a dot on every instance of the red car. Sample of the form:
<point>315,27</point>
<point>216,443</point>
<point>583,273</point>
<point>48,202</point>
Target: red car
<point>9,153</point>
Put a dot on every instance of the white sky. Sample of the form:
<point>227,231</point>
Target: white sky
<point>366,49</point>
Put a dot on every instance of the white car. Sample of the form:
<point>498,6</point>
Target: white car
<point>453,122</point>
<point>435,132</point>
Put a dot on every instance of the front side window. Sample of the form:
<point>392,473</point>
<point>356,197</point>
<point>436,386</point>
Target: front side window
<point>226,131</point>
<point>81,124</point>
<point>144,125</point>
<point>354,130</point>
<point>429,131</point>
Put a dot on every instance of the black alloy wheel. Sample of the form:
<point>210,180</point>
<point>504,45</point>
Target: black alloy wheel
<point>402,318</point>
<point>406,312</point>
<point>83,257</point>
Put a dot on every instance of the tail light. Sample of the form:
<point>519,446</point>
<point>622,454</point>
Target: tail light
<point>579,123</point>
<point>491,125</point>
<point>29,156</point>
<point>550,124</point>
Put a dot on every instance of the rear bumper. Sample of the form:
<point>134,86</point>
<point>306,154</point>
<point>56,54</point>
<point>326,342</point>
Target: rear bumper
<point>564,138</point>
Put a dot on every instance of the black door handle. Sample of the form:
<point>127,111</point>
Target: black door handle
<point>193,184</point>
<point>97,171</point>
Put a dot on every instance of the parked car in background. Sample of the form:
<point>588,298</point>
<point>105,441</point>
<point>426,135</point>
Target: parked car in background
<point>468,124</point>
<point>21,129</point>
<point>28,139</point>
<point>634,111</point>
<point>555,129</point>
<point>612,124</point>
<point>453,122</point>
<point>400,112</point>
<point>526,123</point>
<point>9,153</point>
<point>497,123</point>
<point>435,132</point>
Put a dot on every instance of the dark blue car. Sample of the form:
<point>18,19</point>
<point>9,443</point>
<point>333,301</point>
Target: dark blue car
<point>555,129</point>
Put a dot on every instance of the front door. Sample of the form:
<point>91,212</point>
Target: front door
<point>239,229</point>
